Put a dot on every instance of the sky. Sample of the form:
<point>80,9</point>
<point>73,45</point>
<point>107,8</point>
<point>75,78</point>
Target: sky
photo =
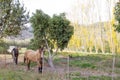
<point>51,7</point>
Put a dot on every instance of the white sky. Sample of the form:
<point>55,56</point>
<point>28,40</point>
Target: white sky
<point>48,6</point>
<point>51,7</point>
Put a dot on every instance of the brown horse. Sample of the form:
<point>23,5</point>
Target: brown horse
<point>15,53</point>
<point>35,56</point>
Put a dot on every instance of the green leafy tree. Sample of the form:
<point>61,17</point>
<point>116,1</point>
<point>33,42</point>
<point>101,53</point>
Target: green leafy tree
<point>13,16</point>
<point>40,24</point>
<point>117,16</point>
<point>54,32</point>
<point>60,31</point>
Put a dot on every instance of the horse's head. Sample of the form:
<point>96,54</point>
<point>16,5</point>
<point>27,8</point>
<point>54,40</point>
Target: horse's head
<point>41,50</point>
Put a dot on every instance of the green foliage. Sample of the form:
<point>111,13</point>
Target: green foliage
<point>56,31</point>
<point>40,23</point>
<point>60,30</point>
<point>2,50</point>
<point>3,47</point>
<point>13,16</point>
<point>117,16</point>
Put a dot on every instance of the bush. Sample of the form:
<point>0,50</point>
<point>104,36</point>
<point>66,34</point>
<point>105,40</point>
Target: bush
<point>3,47</point>
<point>2,50</point>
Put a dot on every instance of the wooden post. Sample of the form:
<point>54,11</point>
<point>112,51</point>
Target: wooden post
<point>42,62</point>
<point>68,69</point>
<point>5,59</point>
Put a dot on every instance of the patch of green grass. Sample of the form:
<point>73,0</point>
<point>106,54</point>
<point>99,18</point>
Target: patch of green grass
<point>82,78</point>
<point>71,54</point>
<point>12,75</point>
<point>7,74</point>
<point>32,64</point>
<point>92,61</point>
<point>75,74</point>
<point>94,78</point>
<point>100,78</point>
<point>82,64</point>
<point>78,76</point>
<point>22,63</point>
<point>87,65</point>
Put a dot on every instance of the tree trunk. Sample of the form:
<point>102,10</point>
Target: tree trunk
<point>102,47</point>
<point>50,58</point>
<point>50,62</point>
<point>111,39</point>
<point>90,49</point>
<point>95,41</point>
<point>113,66</point>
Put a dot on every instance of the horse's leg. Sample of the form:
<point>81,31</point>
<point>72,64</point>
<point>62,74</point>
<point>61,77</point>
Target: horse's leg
<point>40,66</point>
<point>40,69</point>
<point>24,59</point>
<point>13,56</point>
<point>28,64</point>
<point>41,62</point>
<point>16,59</point>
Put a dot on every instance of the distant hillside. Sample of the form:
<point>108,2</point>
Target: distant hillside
<point>24,34</point>
<point>27,34</point>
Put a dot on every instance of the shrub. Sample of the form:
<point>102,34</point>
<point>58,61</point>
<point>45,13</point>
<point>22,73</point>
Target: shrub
<point>3,47</point>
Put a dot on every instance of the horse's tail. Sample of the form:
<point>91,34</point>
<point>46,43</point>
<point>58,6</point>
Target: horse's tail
<point>24,59</point>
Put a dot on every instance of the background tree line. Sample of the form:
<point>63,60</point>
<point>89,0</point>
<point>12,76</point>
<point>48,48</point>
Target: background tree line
<point>91,33</point>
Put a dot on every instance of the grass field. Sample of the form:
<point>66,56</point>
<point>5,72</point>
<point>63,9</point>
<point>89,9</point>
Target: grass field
<point>92,66</point>
<point>8,74</point>
<point>81,67</point>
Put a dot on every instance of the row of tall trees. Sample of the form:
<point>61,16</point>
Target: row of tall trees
<point>91,32</point>
<point>93,39</point>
